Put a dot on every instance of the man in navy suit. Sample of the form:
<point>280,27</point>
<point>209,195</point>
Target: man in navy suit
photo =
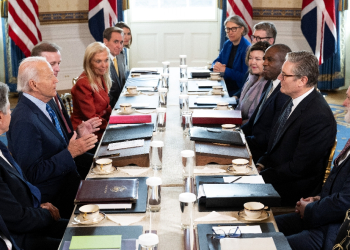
<point>36,139</point>
<point>317,219</point>
<point>31,223</point>
<point>113,38</point>
<point>258,129</point>
<point>301,141</point>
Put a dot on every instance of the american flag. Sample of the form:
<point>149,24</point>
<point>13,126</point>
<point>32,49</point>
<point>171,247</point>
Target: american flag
<point>244,9</point>
<point>102,15</point>
<point>24,24</point>
<point>318,25</point>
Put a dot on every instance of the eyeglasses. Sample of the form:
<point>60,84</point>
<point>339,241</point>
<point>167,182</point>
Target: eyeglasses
<point>284,75</point>
<point>220,234</point>
<point>234,29</point>
<point>258,38</point>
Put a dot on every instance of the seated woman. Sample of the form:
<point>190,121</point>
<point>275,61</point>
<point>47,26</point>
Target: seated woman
<point>122,57</point>
<point>90,93</point>
<point>255,83</point>
<point>231,60</point>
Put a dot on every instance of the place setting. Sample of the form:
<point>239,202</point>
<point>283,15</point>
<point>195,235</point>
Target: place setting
<point>223,106</point>
<point>104,167</point>
<point>132,91</point>
<point>254,211</point>
<point>89,214</point>
<point>215,77</point>
<point>240,167</point>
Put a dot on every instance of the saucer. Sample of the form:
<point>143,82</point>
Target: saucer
<point>264,215</point>
<point>79,219</point>
<point>235,172</point>
<point>229,108</point>
<point>95,171</point>
<point>126,113</point>
<point>128,94</point>
<point>221,93</point>
<point>214,79</point>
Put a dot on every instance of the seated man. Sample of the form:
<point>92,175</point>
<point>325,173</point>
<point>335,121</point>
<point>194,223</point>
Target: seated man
<point>316,222</point>
<point>32,225</point>
<point>264,31</point>
<point>37,142</point>
<point>300,142</point>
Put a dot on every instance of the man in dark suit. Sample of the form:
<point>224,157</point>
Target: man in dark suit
<point>113,38</point>
<point>53,55</point>
<point>258,129</point>
<point>31,224</point>
<point>36,139</point>
<point>303,136</point>
<point>317,219</point>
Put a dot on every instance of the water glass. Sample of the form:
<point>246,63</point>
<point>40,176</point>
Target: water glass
<point>156,154</point>
<point>186,122</point>
<point>165,80</point>
<point>183,59</point>
<point>162,96</point>
<point>161,119</point>
<point>188,163</point>
<point>166,67</point>
<point>184,85</point>
<point>153,190</point>
<point>183,71</point>
<point>186,206</point>
<point>148,241</point>
<point>184,103</point>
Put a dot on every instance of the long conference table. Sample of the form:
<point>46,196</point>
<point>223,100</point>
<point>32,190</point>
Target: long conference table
<point>167,221</point>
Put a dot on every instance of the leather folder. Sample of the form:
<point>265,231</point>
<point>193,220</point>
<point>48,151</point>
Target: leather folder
<point>129,119</point>
<point>107,191</point>
<point>124,133</point>
<point>236,194</point>
<point>139,101</point>
<point>216,136</point>
<point>200,117</point>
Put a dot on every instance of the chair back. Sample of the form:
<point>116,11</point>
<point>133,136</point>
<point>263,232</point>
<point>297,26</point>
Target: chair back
<point>330,159</point>
<point>74,80</point>
<point>68,102</point>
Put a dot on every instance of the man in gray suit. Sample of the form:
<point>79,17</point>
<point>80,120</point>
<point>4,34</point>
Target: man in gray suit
<point>113,38</point>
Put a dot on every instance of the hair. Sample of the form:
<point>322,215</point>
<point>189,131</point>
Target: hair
<point>239,21</point>
<point>107,33</point>
<point>269,27</point>
<point>262,46</point>
<point>4,99</point>
<point>122,25</point>
<point>91,50</point>
<point>305,64</point>
<point>44,47</point>
<point>29,70</point>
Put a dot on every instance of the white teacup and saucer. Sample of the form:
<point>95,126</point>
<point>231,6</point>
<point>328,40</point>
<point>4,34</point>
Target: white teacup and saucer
<point>240,167</point>
<point>215,76</point>
<point>254,211</point>
<point>132,91</point>
<point>104,166</point>
<point>89,214</point>
<point>126,109</point>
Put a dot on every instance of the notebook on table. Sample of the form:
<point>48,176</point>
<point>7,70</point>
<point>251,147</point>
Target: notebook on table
<point>139,101</point>
<point>214,135</point>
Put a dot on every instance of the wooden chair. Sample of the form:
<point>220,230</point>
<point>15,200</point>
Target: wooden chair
<point>68,102</point>
<point>74,80</point>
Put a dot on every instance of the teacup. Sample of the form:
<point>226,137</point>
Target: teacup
<point>229,127</point>
<point>126,107</point>
<point>215,76</point>
<point>253,209</point>
<point>132,90</point>
<point>89,212</point>
<point>104,165</point>
<point>217,89</point>
<point>240,165</point>
<point>222,106</point>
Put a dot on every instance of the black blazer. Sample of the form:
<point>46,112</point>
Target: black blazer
<point>4,231</point>
<point>16,205</point>
<point>296,163</point>
<point>117,85</point>
<point>258,133</point>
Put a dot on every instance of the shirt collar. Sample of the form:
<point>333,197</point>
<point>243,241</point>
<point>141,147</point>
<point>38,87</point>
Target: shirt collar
<point>298,100</point>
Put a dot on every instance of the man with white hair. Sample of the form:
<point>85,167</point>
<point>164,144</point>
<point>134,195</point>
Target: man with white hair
<point>36,140</point>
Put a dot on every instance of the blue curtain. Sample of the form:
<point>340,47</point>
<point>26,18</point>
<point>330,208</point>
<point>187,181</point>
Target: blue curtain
<point>331,72</point>
<point>223,37</point>
<point>120,10</point>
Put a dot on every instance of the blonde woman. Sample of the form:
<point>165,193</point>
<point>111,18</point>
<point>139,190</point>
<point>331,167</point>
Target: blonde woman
<point>90,93</point>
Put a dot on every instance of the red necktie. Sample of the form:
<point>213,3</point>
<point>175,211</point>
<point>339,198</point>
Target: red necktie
<point>63,118</point>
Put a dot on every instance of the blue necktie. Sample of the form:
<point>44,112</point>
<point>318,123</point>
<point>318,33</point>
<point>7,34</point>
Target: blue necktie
<point>263,101</point>
<point>36,195</point>
<point>282,120</point>
<point>55,120</point>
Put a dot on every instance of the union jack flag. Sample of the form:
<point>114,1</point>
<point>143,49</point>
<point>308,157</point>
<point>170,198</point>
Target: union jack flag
<point>318,25</point>
<point>242,8</point>
<point>102,15</point>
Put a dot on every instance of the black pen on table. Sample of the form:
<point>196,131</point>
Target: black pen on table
<point>236,179</point>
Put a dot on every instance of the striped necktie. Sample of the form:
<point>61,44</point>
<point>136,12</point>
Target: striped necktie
<point>282,121</point>
<point>342,153</point>
<point>55,120</point>
<point>116,65</point>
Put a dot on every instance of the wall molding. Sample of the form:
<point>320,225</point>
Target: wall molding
<point>288,14</point>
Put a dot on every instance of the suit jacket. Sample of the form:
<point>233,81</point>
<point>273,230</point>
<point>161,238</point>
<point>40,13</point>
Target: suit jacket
<point>296,163</point>
<point>39,149</point>
<point>235,75</point>
<point>258,132</point>
<point>117,83</point>
<point>16,205</point>
<point>4,231</point>
<point>122,67</point>
<point>88,103</point>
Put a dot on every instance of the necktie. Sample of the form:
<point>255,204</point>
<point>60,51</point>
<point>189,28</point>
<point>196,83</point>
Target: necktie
<point>63,118</point>
<point>36,195</point>
<point>282,120</point>
<point>116,65</point>
<point>341,154</point>
<point>55,120</point>
<point>268,93</point>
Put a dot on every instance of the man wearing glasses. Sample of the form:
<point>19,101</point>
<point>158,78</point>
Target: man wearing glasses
<point>300,142</point>
<point>264,31</point>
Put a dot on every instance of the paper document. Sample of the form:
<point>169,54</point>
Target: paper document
<point>126,144</point>
<point>247,244</point>
<point>244,229</point>
<point>245,179</point>
<point>115,206</point>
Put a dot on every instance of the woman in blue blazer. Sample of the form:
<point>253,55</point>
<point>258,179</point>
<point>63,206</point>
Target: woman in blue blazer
<point>231,60</point>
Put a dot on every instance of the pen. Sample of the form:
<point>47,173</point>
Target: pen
<point>236,179</point>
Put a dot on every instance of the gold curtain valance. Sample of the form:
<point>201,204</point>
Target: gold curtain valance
<point>126,5</point>
<point>4,8</point>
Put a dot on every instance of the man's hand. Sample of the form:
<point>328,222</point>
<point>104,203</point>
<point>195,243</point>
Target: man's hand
<point>88,127</point>
<point>219,67</point>
<point>79,146</point>
<point>52,209</point>
<point>300,206</point>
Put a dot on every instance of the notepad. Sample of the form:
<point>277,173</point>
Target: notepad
<point>96,242</point>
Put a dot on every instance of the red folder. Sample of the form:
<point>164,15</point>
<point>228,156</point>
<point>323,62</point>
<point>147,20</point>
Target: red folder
<point>134,118</point>
<point>216,117</point>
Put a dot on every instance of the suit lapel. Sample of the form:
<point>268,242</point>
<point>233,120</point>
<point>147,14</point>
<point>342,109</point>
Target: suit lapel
<point>268,100</point>
<point>11,169</point>
<point>54,106</point>
<point>114,74</point>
